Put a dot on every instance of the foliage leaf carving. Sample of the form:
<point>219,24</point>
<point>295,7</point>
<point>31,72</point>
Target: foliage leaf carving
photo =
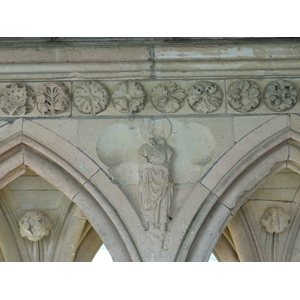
<point>52,98</point>
<point>168,97</point>
<point>205,97</point>
<point>17,99</point>
<point>244,96</point>
<point>280,95</point>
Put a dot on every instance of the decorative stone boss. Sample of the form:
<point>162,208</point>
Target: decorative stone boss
<point>35,225</point>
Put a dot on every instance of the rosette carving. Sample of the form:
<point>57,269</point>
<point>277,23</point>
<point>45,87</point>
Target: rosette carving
<point>129,97</point>
<point>52,98</point>
<point>244,96</point>
<point>168,97</point>
<point>17,99</point>
<point>280,95</point>
<point>205,96</point>
<point>275,220</point>
<point>91,97</point>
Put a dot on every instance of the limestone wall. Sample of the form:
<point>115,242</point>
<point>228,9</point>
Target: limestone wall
<point>157,144</point>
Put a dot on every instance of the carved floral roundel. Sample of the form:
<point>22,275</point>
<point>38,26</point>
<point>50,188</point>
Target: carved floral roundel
<point>129,97</point>
<point>168,97</point>
<point>17,99</point>
<point>205,97</point>
<point>280,95</point>
<point>244,96</point>
<point>91,97</point>
<point>52,98</point>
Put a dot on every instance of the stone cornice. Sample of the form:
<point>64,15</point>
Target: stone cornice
<point>220,59</point>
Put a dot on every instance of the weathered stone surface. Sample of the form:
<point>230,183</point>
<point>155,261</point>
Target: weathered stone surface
<point>154,147</point>
<point>245,124</point>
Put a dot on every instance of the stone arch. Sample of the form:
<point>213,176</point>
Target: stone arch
<point>26,143</point>
<point>241,170</point>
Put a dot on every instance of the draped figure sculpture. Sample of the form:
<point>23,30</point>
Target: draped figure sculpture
<point>156,187</point>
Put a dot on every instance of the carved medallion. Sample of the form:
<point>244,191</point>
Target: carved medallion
<point>275,220</point>
<point>52,98</point>
<point>129,97</point>
<point>35,225</point>
<point>168,97</point>
<point>244,96</point>
<point>17,99</point>
<point>91,97</point>
<point>280,95</point>
<point>205,97</point>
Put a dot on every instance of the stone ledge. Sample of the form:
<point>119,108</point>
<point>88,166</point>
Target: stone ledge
<point>217,58</point>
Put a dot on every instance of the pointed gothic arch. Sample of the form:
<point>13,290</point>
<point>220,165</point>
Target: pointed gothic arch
<point>263,152</point>
<point>28,144</point>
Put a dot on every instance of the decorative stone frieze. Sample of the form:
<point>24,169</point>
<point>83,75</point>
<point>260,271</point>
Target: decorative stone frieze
<point>91,97</point>
<point>280,95</point>
<point>244,96</point>
<point>35,225</point>
<point>17,99</point>
<point>52,98</point>
<point>129,97</point>
<point>205,97</point>
<point>168,97</point>
<point>275,220</point>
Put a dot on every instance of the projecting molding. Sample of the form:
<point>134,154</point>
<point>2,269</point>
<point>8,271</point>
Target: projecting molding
<point>220,59</point>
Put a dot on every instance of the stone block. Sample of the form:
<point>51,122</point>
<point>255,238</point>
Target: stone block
<point>24,183</point>
<point>245,124</point>
<point>255,174</point>
<point>255,138</point>
<point>10,129</point>
<point>61,147</point>
<point>68,129</point>
<point>40,200</point>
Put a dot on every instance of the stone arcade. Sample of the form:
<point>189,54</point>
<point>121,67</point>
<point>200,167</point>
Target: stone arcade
<point>162,149</point>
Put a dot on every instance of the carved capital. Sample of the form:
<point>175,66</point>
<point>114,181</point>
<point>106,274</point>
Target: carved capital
<point>35,225</point>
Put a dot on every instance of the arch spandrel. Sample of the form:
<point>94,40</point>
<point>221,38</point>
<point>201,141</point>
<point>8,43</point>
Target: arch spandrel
<point>264,156</point>
<point>23,150</point>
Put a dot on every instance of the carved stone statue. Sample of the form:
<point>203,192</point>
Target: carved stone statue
<point>156,187</point>
<point>34,225</point>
